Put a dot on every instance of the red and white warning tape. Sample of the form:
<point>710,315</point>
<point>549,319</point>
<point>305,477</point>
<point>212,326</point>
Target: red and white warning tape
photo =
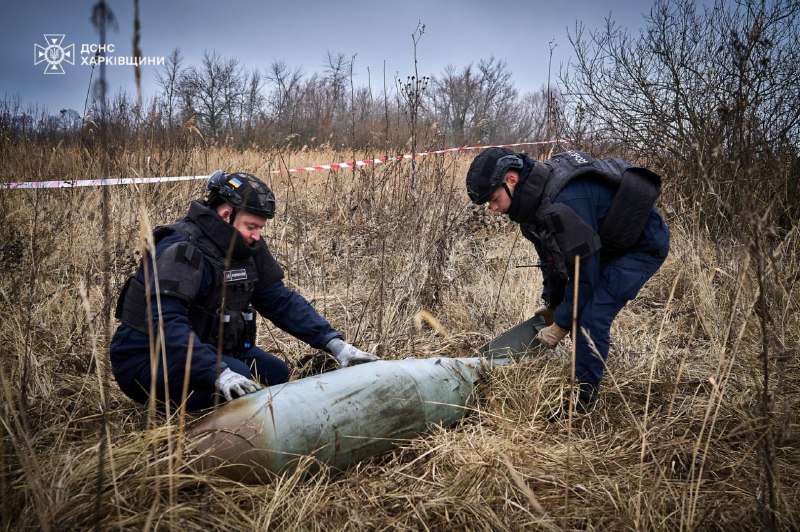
<point>142,180</point>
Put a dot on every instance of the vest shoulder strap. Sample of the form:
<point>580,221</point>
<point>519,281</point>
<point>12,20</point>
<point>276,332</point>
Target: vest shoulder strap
<point>572,164</point>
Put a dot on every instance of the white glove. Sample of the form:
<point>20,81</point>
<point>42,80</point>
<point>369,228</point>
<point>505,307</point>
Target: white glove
<point>230,381</point>
<point>347,354</point>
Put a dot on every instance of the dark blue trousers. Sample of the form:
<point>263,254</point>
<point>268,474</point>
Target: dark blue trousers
<point>134,378</point>
<point>620,281</point>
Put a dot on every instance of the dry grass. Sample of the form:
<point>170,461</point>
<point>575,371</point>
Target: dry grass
<point>676,442</point>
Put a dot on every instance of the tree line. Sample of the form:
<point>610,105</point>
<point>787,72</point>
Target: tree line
<point>222,100</point>
<point>706,94</point>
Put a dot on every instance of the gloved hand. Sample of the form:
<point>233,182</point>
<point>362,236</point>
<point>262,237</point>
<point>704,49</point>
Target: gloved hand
<point>347,354</point>
<point>230,381</point>
<point>545,312</point>
<point>551,335</point>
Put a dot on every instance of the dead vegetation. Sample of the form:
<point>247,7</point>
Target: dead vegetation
<point>680,439</point>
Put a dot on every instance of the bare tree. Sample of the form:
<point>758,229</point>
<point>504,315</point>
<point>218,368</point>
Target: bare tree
<point>212,91</point>
<point>335,74</point>
<point>70,121</point>
<point>253,100</point>
<point>476,103</point>
<point>284,97</point>
<point>708,94</point>
<point>531,116</point>
<point>168,79</point>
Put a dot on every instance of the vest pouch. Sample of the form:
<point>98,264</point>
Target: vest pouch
<point>628,213</point>
<point>232,333</point>
<point>565,235</point>
<point>131,305</point>
<point>554,259</point>
<point>249,333</point>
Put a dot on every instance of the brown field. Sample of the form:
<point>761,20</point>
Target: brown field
<point>679,440</point>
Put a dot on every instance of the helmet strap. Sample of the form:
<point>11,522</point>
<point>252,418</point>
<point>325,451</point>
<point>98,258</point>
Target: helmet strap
<point>508,191</point>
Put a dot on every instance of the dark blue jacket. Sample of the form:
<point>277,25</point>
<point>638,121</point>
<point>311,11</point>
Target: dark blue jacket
<point>285,308</point>
<point>590,199</point>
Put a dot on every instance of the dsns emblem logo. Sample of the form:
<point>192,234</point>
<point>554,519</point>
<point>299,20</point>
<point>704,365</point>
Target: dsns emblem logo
<point>53,54</point>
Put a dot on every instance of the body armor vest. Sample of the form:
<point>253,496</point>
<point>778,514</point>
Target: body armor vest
<point>562,233</point>
<point>223,317</point>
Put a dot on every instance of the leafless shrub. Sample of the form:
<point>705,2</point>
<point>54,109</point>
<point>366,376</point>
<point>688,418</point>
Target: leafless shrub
<point>708,95</point>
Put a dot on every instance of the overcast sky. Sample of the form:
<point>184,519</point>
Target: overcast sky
<point>300,33</point>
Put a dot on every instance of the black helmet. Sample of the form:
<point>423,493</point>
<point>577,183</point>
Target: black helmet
<point>487,171</point>
<point>245,192</point>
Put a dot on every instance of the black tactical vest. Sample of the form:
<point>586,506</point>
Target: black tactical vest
<point>222,317</point>
<point>562,233</point>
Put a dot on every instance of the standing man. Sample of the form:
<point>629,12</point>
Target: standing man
<point>211,271</point>
<point>575,206</point>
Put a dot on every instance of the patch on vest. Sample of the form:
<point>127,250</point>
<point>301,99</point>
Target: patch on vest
<point>235,275</point>
<point>577,158</point>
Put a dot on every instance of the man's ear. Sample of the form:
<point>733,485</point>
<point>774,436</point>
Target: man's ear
<point>512,178</point>
<point>225,212</point>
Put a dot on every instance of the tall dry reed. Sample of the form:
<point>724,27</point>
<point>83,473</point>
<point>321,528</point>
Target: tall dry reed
<point>676,441</point>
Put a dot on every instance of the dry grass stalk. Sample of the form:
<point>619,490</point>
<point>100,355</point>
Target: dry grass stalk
<point>673,443</point>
